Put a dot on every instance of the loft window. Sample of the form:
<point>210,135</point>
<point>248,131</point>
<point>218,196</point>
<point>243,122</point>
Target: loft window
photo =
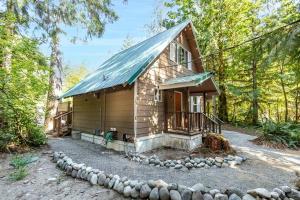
<point>180,55</point>
<point>157,95</point>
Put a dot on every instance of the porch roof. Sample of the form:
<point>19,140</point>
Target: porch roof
<point>187,81</point>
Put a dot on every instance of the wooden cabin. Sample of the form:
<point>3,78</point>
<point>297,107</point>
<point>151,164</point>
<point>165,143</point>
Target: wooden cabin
<point>150,95</point>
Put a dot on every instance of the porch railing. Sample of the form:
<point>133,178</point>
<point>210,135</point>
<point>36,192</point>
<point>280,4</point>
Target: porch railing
<point>192,122</point>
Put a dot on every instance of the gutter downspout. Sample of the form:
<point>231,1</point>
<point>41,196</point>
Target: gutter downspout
<point>135,111</point>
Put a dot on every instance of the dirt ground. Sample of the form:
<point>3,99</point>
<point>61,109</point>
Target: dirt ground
<point>38,186</point>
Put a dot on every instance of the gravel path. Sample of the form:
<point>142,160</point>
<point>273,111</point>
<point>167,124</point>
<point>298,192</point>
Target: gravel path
<point>263,169</point>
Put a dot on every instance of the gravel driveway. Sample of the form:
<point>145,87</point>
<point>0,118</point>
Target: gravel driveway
<point>265,168</point>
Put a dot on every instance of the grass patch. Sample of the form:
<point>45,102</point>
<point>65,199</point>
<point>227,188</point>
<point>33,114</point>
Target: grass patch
<point>20,164</point>
<point>19,174</point>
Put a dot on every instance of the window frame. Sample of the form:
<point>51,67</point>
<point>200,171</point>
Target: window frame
<point>176,56</point>
<point>157,95</point>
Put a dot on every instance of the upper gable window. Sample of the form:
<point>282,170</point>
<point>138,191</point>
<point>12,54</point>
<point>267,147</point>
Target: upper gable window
<point>180,55</point>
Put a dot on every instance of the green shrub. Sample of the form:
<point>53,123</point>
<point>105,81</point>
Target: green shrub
<point>19,174</point>
<point>37,136</point>
<point>108,137</point>
<point>5,139</point>
<point>18,161</point>
<point>286,133</point>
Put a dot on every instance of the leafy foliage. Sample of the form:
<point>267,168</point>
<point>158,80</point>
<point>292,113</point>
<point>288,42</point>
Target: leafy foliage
<point>285,133</point>
<point>19,163</point>
<point>22,89</point>
<point>18,174</point>
<point>260,78</point>
<point>108,137</point>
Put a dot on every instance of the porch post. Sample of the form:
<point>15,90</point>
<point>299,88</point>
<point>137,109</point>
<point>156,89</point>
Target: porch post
<point>204,102</point>
<point>166,94</point>
<point>188,109</point>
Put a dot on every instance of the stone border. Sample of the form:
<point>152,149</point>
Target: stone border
<point>155,190</point>
<point>187,163</point>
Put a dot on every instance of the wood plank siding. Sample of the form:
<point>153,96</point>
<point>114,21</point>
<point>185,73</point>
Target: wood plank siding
<point>150,114</point>
<point>108,109</point>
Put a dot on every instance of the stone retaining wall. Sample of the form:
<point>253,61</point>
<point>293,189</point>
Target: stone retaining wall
<point>155,190</point>
<point>188,162</point>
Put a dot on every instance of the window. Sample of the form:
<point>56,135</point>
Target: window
<point>157,95</point>
<point>195,103</point>
<point>180,55</point>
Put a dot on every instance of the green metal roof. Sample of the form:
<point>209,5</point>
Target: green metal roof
<point>126,66</point>
<point>191,80</point>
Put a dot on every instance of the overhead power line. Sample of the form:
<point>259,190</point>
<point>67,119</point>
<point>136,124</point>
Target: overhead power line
<point>201,58</point>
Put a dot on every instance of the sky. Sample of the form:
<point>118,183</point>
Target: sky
<point>133,16</point>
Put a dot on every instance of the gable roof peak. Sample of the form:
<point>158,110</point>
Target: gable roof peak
<point>125,67</point>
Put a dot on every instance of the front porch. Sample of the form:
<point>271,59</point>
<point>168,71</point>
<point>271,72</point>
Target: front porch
<point>190,105</point>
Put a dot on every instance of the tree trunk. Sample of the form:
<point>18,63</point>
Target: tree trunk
<point>55,82</point>
<point>286,113</point>
<point>223,114</point>
<point>254,93</point>
<point>296,103</point>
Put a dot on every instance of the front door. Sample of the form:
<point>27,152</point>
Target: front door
<point>178,109</point>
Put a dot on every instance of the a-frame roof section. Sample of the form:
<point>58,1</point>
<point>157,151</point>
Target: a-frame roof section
<point>125,67</point>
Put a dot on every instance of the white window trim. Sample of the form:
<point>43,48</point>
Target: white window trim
<point>192,104</point>
<point>157,95</point>
<point>175,57</point>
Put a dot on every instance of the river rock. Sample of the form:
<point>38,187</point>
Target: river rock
<point>101,179</point>
<point>120,188</point>
<point>207,196</point>
<point>154,195</point>
<point>219,159</point>
<point>134,193</point>
<point>219,196</point>
<point>199,187</point>
<point>106,183</point>
<point>294,194</point>
<point>74,173</point>
<point>175,195</point>
<point>261,192</point>
<point>197,195</point>
<point>186,194</point>
<point>164,193</point>
<point>279,192</point>
<point>93,180</point>
<point>160,183</point>
<point>127,191</point>
<point>248,197</point>
<point>116,184</point>
<point>111,183</point>
<point>234,197</point>
<point>145,191</point>
<point>213,192</point>
<point>172,186</point>
<point>178,166</point>
<point>286,189</point>
<point>232,190</point>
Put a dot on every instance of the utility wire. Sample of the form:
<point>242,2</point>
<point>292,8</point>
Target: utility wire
<point>201,58</point>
